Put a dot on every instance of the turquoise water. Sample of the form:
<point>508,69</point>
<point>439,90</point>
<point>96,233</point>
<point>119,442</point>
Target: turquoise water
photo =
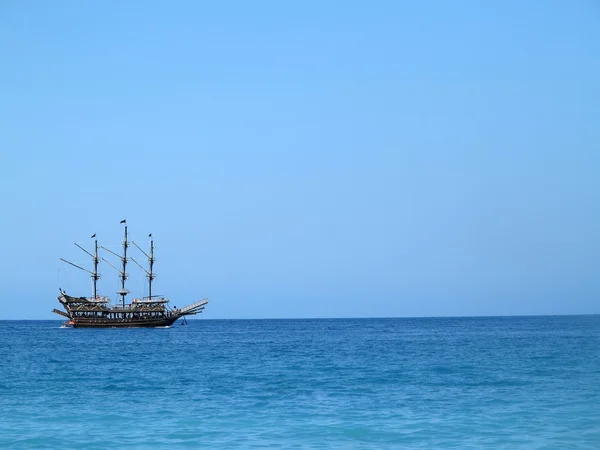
<point>515,383</point>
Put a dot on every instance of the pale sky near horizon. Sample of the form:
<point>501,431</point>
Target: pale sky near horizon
<point>305,159</point>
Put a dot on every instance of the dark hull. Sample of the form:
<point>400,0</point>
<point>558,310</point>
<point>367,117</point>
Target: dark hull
<point>128,323</point>
<point>84,313</point>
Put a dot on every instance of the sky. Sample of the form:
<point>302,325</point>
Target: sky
<point>304,159</point>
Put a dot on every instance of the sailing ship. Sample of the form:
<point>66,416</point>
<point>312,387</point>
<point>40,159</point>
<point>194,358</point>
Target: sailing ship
<point>97,312</point>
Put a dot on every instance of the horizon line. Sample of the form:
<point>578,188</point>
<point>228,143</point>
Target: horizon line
<point>352,318</point>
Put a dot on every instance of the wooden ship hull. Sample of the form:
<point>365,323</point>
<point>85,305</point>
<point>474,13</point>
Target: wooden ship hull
<point>85,312</point>
<point>111,323</point>
<point>97,312</point>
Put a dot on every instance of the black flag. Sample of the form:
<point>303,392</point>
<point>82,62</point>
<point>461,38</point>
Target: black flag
<point>94,235</point>
<point>122,221</point>
<point>150,235</point>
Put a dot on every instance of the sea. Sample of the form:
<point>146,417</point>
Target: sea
<point>423,383</point>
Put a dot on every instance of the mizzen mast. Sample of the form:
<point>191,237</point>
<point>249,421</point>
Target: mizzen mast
<point>149,273</point>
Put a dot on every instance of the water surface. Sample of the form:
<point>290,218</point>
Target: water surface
<point>512,382</point>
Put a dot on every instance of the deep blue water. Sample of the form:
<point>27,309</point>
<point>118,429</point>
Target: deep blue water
<point>514,382</point>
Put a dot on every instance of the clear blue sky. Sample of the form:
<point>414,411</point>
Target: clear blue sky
<point>305,159</point>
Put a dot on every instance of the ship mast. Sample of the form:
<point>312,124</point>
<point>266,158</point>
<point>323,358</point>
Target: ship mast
<point>151,260</point>
<point>95,276</point>
<point>123,291</point>
<point>149,273</point>
<point>123,273</point>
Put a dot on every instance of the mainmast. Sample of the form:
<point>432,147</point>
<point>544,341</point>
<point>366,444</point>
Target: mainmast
<point>123,273</point>
<point>123,292</point>
<point>151,260</point>
<point>95,275</point>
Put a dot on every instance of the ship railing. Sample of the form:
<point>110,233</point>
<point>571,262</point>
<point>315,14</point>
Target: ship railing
<point>144,301</point>
<point>98,299</point>
<point>138,308</point>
